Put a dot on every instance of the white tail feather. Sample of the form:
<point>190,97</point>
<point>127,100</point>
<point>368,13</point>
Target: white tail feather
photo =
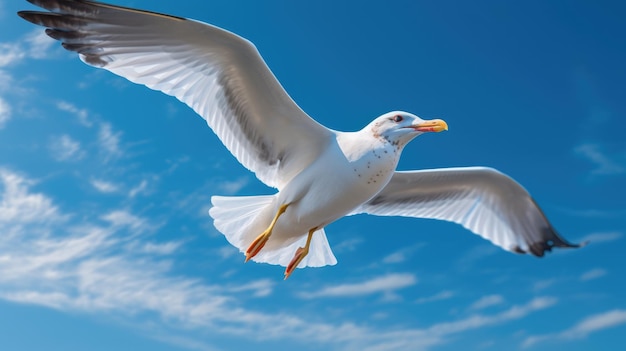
<point>233,217</point>
<point>319,255</point>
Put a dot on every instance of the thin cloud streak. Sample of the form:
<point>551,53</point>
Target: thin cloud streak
<point>10,53</point>
<point>39,44</point>
<point>64,148</point>
<point>5,112</point>
<point>82,115</point>
<point>402,254</point>
<point>581,329</point>
<point>487,301</point>
<point>19,206</point>
<point>109,141</point>
<point>384,284</point>
<point>231,187</point>
<point>601,237</point>
<point>104,186</point>
<point>592,274</point>
<point>605,164</point>
<point>259,288</point>
<point>140,188</point>
<point>34,45</point>
<point>54,259</point>
<point>29,46</point>
<point>594,213</point>
<point>347,245</point>
<point>443,295</point>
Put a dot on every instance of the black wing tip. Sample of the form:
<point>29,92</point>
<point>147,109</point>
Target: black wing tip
<point>518,250</point>
<point>51,19</point>
<point>31,16</point>
<point>87,9</point>
<point>576,246</point>
<point>553,239</point>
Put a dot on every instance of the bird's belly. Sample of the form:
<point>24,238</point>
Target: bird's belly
<point>329,195</point>
<point>320,207</point>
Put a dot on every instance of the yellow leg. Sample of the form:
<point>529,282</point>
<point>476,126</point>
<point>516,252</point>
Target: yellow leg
<point>300,254</point>
<point>260,240</point>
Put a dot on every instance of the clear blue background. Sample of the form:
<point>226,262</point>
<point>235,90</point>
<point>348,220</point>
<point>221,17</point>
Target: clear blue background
<point>104,238</point>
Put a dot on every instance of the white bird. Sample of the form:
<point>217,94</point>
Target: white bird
<point>321,174</point>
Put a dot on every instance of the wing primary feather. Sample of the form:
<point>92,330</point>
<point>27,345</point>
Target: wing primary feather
<point>217,73</point>
<point>482,200</point>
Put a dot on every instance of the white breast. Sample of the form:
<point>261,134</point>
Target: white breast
<point>346,175</point>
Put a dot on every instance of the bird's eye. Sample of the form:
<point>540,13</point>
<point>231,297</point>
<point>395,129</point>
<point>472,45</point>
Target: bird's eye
<point>398,118</point>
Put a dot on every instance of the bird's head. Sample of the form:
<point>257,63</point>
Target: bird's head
<point>400,127</point>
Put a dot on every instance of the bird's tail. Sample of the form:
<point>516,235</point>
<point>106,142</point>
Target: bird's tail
<point>236,218</point>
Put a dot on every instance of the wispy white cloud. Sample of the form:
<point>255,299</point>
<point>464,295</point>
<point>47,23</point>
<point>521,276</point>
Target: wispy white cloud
<point>5,112</point>
<point>109,141</point>
<point>110,187</point>
<point>233,186</point>
<point>140,188</point>
<point>125,219</point>
<point>154,249</point>
<point>437,334</point>
<point>104,186</point>
<point>18,205</point>
<point>71,264</point>
<point>543,284</point>
<point>487,301</point>
<point>7,82</point>
<point>440,296</point>
<point>395,257</point>
<point>81,114</point>
<point>64,148</point>
<point>175,164</point>
<point>30,46</point>
<point>476,321</point>
<point>227,251</point>
<point>595,213</point>
<point>592,274</point>
<point>402,254</point>
<point>259,288</point>
<point>601,237</point>
<point>10,53</point>
<point>582,329</point>
<point>384,284</point>
<point>595,323</point>
<point>38,44</point>
<point>167,248</point>
<point>605,164</point>
<point>34,45</point>
<point>347,245</point>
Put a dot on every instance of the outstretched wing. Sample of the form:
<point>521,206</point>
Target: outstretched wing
<point>482,200</point>
<point>217,73</point>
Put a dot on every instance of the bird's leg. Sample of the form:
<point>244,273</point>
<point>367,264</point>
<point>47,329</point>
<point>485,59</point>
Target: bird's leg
<point>260,240</point>
<point>301,252</point>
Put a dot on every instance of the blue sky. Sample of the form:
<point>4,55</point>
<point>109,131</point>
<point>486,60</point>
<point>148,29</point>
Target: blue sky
<point>104,185</point>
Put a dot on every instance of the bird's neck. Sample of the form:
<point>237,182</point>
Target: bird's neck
<point>360,144</point>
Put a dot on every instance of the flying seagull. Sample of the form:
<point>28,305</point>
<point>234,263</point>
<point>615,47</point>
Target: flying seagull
<point>321,174</point>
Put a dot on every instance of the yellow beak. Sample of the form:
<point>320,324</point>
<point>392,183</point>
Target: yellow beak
<point>435,125</point>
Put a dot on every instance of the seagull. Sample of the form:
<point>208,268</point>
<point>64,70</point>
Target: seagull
<point>321,175</point>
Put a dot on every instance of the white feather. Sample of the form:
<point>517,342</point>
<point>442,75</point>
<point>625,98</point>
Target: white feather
<point>218,74</point>
<point>480,199</point>
<point>234,216</point>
